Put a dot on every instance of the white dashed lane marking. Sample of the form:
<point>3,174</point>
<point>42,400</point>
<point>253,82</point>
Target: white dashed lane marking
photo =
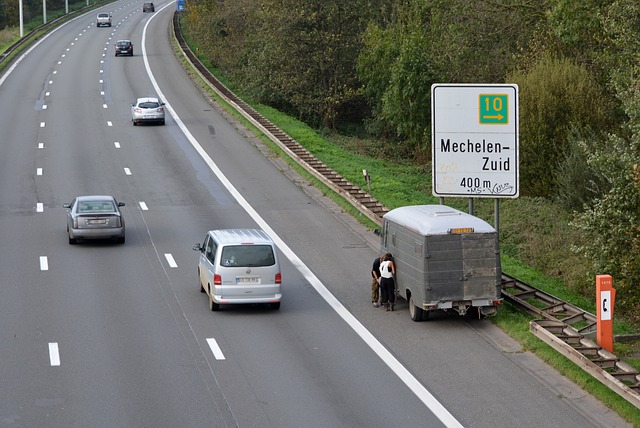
<point>54,354</point>
<point>217,352</point>
<point>44,263</point>
<point>170,260</point>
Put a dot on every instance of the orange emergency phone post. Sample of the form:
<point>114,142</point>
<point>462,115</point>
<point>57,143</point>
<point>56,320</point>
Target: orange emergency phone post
<point>605,297</point>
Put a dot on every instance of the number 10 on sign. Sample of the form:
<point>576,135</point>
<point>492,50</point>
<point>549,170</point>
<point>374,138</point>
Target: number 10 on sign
<point>494,109</point>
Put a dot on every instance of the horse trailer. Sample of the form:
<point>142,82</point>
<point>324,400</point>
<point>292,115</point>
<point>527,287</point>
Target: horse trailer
<point>445,259</point>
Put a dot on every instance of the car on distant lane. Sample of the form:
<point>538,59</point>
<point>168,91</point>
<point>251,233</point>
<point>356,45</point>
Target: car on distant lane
<point>148,7</point>
<point>123,47</point>
<point>147,109</point>
<point>103,19</point>
<point>95,217</point>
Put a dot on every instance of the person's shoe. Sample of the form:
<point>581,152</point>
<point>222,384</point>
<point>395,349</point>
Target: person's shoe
<point>386,307</point>
<point>393,307</point>
<point>375,304</point>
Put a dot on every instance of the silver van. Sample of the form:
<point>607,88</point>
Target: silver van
<point>239,266</point>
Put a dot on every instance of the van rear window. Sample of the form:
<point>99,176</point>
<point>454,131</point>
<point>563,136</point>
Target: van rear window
<point>247,256</point>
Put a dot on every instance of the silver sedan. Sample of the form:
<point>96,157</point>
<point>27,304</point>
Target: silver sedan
<point>95,217</point>
<point>147,109</point>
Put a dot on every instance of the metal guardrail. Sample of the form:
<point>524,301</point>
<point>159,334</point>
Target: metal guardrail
<point>570,331</point>
<point>614,373</point>
<point>541,304</point>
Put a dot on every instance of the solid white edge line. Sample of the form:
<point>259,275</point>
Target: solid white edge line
<point>44,263</point>
<point>54,354</point>
<point>217,352</point>
<point>414,385</point>
<point>170,260</point>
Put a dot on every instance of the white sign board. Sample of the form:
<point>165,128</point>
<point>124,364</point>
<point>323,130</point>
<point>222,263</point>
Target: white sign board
<point>474,140</point>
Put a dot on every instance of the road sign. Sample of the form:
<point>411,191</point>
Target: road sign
<point>494,108</point>
<point>474,130</point>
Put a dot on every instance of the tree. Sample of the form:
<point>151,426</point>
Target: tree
<point>612,222</point>
<point>302,56</point>
<point>556,95</point>
<point>442,41</point>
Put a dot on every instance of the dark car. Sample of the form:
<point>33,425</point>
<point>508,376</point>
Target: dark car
<point>123,47</point>
<point>95,217</point>
<point>148,7</point>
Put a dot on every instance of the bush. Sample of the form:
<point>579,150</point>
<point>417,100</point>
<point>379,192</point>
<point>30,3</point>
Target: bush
<point>556,96</point>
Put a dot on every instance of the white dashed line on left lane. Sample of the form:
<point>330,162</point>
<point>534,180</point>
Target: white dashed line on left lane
<point>54,354</point>
<point>170,260</point>
<point>217,352</point>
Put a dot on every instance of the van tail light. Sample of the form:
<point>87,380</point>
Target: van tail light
<point>278,278</point>
<point>118,224</point>
<point>217,279</point>
<point>75,223</point>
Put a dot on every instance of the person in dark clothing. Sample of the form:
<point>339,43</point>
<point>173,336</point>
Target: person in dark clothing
<point>375,282</point>
<point>387,283</point>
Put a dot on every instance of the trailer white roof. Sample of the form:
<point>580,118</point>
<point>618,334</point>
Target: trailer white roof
<point>436,219</point>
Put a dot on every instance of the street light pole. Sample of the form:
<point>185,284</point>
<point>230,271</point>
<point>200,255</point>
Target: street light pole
<point>21,19</point>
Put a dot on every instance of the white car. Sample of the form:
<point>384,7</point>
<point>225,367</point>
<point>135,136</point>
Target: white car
<point>148,109</point>
<point>103,19</point>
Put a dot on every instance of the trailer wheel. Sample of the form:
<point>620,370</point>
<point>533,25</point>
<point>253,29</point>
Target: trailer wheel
<point>415,311</point>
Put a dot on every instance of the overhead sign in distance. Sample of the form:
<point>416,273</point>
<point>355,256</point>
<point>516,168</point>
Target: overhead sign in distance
<point>475,140</point>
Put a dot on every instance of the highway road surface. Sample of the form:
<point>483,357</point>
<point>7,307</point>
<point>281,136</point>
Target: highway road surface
<point>101,334</point>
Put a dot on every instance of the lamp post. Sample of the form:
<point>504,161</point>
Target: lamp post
<point>21,19</point>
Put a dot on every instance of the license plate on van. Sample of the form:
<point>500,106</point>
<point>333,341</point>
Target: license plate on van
<point>248,280</point>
